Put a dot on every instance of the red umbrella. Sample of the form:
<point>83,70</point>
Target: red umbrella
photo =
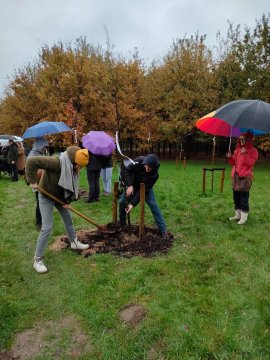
<point>217,127</point>
<point>212,124</point>
<point>248,114</point>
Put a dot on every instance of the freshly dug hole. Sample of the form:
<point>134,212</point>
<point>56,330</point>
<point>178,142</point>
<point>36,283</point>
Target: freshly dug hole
<point>123,241</point>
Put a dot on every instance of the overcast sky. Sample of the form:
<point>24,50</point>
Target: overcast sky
<point>149,25</point>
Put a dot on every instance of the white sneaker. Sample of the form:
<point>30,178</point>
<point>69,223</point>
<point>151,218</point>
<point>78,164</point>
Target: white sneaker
<point>39,266</point>
<point>77,245</point>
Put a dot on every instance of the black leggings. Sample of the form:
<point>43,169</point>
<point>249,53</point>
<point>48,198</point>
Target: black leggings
<point>240,199</point>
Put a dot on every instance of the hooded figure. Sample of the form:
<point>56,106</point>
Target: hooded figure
<point>12,158</point>
<point>152,161</point>
<point>38,146</point>
<point>243,160</point>
<point>145,170</point>
<point>60,178</point>
<point>38,150</point>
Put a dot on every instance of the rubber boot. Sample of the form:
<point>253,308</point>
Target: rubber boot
<point>244,217</point>
<point>237,216</point>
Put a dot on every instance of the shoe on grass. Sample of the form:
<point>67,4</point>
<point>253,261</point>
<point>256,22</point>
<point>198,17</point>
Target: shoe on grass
<point>77,245</point>
<point>39,266</point>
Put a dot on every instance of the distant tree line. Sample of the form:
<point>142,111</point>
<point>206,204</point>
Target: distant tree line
<point>90,88</point>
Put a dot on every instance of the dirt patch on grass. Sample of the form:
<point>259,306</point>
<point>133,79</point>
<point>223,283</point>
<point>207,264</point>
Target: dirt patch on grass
<point>53,339</point>
<point>132,314</point>
<point>7,355</point>
<point>123,241</point>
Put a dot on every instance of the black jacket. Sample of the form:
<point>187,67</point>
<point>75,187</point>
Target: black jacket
<point>12,154</point>
<point>134,175</point>
<point>106,161</point>
<point>94,162</point>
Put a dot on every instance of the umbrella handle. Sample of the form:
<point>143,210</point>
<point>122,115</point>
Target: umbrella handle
<point>214,150</point>
<point>43,191</point>
<point>230,139</point>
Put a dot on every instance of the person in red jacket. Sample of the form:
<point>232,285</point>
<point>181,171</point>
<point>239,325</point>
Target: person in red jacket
<point>243,160</point>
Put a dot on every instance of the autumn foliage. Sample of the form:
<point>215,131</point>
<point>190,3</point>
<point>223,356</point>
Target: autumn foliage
<point>92,89</point>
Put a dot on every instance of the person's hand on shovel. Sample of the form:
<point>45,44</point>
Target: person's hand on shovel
<point>67,206</point>
<point>33,186</point>
<point>129,208</point>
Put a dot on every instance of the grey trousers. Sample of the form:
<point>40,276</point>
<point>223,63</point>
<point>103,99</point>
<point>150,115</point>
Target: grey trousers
<point>106,175</point>
<point>46,208</point>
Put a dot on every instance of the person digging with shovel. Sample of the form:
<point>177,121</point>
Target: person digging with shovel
<point>144,170</point>
<point>60,178</point>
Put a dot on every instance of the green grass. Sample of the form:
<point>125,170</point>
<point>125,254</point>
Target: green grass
<point>208,298</point>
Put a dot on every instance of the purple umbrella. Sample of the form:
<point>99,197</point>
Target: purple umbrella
<point>98,143</point>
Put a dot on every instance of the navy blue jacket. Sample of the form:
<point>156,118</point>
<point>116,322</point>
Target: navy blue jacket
<point>134,175</point>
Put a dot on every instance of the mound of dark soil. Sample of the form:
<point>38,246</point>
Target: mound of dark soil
<point>123,241</point>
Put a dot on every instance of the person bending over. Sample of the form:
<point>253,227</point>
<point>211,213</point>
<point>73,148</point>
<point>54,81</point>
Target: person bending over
<point>60,178</point>
<point>145,170</point>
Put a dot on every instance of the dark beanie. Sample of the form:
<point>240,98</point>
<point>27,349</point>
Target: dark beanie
<point>151,160</point>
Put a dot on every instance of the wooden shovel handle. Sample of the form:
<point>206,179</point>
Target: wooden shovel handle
<point>45,192</point>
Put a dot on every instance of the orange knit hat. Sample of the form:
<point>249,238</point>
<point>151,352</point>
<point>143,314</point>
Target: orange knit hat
<point>81,157</point>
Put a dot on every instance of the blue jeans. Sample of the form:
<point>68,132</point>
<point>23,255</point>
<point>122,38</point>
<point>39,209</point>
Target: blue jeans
<point>151,202</point>
<point>46,206</point>
<point>106,174</point>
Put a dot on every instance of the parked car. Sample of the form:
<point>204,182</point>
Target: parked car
<point>4,139</point>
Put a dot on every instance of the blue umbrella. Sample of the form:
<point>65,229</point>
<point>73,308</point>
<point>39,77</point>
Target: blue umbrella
<point>45,128</point>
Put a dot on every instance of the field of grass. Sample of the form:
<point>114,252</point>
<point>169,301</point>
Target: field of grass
<point>207,298</point>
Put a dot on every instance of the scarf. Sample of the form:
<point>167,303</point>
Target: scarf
<point>68,180</point>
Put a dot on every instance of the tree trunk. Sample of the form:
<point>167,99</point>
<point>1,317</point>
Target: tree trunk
<point>164,148</point>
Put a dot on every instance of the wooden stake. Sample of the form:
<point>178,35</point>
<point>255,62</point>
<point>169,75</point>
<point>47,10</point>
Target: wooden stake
<point>222,180</point>
<point>142,207</point>
<point>185,161</point>
<point>204,178</point>
<point>115,197</point>
<point>212,182</point>
<point>176,162</point>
